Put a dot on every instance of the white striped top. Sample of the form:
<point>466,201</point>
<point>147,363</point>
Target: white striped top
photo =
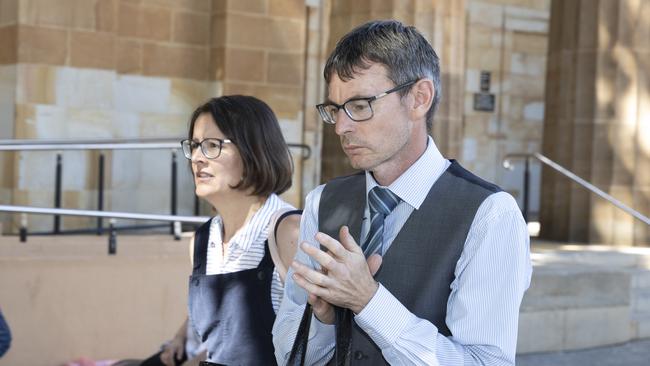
<point>246,248</point>
<point>491,276</point>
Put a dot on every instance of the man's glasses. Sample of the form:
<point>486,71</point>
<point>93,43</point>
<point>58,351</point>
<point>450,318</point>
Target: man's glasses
<point>358,109</point>
<point>211,148</point>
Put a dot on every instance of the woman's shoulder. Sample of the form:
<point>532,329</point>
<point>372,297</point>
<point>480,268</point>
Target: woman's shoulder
<point>287,225</point>
<point>286,244</point>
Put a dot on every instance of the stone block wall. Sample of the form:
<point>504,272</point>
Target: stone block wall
<point>135,69</point>
<point>443,24</point>
<point>509,40</point>
<point>123,68</point>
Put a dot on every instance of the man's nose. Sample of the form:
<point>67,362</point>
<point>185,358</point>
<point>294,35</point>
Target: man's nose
<point>343,123</point>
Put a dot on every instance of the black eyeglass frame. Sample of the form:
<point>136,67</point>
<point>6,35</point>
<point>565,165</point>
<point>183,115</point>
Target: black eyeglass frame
<point>192,145</point>
<point>327,118</point>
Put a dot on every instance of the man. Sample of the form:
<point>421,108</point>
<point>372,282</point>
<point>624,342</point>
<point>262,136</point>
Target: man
<point>449,252</point>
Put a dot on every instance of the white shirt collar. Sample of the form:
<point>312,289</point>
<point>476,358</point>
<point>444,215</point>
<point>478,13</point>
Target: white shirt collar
<point>414,184</point>
<point>254,230</point>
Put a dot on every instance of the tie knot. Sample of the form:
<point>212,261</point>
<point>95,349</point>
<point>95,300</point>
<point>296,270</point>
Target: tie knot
<point>382,200</point>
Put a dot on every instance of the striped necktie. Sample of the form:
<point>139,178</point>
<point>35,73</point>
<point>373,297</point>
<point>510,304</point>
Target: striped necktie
<point>381,202</point>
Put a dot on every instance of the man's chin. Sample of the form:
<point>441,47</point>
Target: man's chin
<point>360,164</point>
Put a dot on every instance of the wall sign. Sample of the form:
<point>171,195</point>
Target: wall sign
<point>484,101</point>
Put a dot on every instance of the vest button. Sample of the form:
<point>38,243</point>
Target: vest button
<point>196,282</point>
<point>358,355</point>
<point>260,275</point>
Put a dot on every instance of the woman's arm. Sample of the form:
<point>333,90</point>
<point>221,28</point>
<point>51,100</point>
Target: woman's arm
<point>284,243</point>
<point>287,238</point>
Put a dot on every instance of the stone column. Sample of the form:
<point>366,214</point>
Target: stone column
<point>506,40</point>
<point>8,56</point>
<point>258,48</point>
<point>443,24</point>
<point>597,120</point>
<point>318,29</point>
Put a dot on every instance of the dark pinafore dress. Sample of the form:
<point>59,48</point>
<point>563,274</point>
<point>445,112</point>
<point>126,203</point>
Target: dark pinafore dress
<point>233,312</point>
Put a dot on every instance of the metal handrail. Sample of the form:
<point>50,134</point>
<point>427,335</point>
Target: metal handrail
<point>108,144</point>
<point>103,214</point>
<point>93,146</point>
<point>112,237</point>
<point>569,174</point>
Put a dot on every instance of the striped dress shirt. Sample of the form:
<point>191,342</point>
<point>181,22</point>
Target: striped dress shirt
<point>490,278</point>
<point>246,248</point>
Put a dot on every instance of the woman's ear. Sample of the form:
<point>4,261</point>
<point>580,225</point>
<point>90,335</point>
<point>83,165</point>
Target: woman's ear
<point>422,93</point>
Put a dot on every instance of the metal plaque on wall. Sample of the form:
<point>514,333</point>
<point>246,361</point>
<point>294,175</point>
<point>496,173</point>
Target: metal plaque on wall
<point>484,102</point>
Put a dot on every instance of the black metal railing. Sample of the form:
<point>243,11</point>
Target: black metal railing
<point>175,220</point>
<point>110,144</point>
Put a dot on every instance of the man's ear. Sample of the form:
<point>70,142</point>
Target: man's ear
<point>422,93</point>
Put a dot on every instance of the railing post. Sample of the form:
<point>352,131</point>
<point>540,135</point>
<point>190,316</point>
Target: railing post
<point>57,193</point>
<point>177,230</point>
<point>173,194</point>
<point>23,228</point>
<point>112,237</point>
<point>526,188</point>
<point>100,194</point>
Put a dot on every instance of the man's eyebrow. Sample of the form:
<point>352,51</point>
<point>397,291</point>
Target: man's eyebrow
<point>356,96</point>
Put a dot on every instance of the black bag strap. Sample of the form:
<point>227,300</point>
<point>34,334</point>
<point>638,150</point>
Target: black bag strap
<point>343,337</point>
<point>299,349</point>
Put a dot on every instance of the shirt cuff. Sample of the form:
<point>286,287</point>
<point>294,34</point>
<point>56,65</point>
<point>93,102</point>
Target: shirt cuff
<point>384,330</point>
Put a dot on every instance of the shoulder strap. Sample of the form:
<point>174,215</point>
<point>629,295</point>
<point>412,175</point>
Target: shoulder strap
<point>274,223</point>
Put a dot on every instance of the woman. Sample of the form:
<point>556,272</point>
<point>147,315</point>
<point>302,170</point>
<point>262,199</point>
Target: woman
<point>240,164</point>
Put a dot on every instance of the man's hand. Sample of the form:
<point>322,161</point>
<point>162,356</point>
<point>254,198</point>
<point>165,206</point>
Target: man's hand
<point>346,279</point>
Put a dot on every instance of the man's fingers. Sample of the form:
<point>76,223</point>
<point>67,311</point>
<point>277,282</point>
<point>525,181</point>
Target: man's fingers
<point>324,259</point>
<point>374,262</point>
<point>332,245</point>
<point>311,288</point>
<point>311,275</point>
<point>347,241</point>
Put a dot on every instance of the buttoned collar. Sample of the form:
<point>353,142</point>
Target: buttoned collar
<point>414,184</point>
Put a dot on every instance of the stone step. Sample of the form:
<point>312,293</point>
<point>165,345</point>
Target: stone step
<point>561,287</point>
<point>585,296</point>
<point>641,279</point>
<point>577,328</point>
<point>640,302</point>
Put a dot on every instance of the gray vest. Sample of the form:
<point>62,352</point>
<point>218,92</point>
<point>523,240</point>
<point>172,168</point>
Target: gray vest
<point>418,268</point>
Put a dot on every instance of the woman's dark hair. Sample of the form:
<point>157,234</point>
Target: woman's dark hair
<point>253,128</point>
